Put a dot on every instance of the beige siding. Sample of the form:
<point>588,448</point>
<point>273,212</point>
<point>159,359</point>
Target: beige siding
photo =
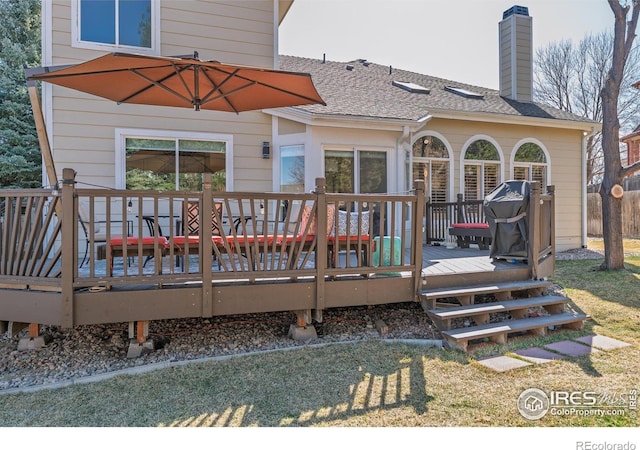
<point>290,127</point>
<point>83,131</point>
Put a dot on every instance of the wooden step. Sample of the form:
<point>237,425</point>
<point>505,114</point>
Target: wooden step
<point>498,332</point>
<point>466,295</point>
<point>554,304</point>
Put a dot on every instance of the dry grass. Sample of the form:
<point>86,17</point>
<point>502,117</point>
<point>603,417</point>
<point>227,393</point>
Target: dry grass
<point>629,245</point>
<point>370,384</point>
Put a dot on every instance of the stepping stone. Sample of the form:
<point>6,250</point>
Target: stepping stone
<point>602,342</point>
<point>538,355</point>
<point>571,348</point>
<point>503,363</point>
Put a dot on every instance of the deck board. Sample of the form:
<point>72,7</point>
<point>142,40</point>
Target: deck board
<point>439,260</point>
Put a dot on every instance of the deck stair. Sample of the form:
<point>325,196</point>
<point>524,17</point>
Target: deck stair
<point>511,312</point>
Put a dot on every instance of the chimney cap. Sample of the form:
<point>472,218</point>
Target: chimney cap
<point>515,9</point>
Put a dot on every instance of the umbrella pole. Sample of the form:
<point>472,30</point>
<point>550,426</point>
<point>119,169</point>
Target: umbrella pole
<point>43,139</point>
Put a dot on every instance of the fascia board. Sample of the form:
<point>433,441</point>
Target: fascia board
<point>517,120</point>
<point>342,121</point>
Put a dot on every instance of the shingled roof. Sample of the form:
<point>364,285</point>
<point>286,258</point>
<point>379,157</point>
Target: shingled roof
<point>361,89</point>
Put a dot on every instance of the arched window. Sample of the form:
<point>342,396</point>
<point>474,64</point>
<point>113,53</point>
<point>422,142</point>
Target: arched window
<point>481,169</point>
<point>530,163</point>
<point>431,164</point>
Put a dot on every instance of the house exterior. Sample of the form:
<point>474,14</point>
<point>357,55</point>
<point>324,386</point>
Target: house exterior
<point>381,129</point>
<point>632,140</point>
<point>92,135</point>
<point>398,126</point>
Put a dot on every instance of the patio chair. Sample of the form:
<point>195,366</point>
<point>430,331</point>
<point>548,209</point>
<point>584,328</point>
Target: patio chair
<point>99,235</point>
<point>190,243</point>
<point>351,233</point>
<point>292,246</point>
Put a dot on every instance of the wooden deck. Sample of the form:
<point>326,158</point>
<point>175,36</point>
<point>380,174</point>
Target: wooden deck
<point>51,272</point>
<point>446,267</point>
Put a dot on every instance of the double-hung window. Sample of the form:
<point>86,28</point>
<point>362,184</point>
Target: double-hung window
<point>123,24</point>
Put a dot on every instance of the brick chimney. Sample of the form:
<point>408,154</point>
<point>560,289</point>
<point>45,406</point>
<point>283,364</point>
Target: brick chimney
<point>516,54</point>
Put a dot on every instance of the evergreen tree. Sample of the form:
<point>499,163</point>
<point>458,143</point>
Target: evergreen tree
<point>20,159</point>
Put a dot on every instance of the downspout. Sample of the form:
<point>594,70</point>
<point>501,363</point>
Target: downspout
<point>404,143</point>
<point>403,158</point>
<point>585,137</point>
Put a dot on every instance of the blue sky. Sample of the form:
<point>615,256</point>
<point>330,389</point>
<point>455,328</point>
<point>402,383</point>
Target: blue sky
<point>452,39</point>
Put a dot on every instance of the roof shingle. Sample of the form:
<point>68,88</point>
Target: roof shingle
<point>366,90</point>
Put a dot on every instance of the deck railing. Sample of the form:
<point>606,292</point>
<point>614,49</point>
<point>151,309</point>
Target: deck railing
<point>541,219</point>
<point>440,215</point>
<point>83,256</point>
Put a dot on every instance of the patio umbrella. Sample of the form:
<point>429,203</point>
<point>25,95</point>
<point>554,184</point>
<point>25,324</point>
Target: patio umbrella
<point>172,81</point>
<point>184,82</point>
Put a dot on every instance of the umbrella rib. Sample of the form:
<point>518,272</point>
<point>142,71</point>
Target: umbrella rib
<point>253,82</point>
<point>286,91</point>
<point>158,83</point>
<point>224,95</point>
<point>218,88</point>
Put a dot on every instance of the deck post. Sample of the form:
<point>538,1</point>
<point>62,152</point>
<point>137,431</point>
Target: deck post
<point>321,261</point>
<point>533,248</point>
<point>69,245</point>
<point>207,243</point>
<point>551,223</point>
<point>460,216</point>
<point>418,214</point>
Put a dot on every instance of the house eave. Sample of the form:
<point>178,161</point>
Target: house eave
<point>283,8</point>
<point>345,121</point>
<point>630,137</point>
<point>380,123</point>
<point>516,120</point>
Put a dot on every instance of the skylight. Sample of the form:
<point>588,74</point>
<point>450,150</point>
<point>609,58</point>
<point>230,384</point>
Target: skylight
<point>410,87</point>
<point>463,92</point>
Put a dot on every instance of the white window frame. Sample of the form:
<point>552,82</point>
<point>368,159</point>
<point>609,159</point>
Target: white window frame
<point>356,162</point>
<point>449,160</point>
<point>279,171</point>
<point>287,141</point>
<point>121,134</point>
<point>464,162</point>
<point>513,163</point>
<point>155,33</point>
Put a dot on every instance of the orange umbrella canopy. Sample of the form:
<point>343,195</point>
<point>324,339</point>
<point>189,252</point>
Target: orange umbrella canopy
<point>185,82</point>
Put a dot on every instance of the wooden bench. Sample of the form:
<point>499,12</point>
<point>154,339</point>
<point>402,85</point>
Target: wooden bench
<point>146,246</point>
<point>471,233</point>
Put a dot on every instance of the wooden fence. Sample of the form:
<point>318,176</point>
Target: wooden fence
<point>630,215</point>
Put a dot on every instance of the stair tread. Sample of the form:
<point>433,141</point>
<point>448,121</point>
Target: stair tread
<point>484,288</point>
<point>507,305</point>
<point>512,326</point>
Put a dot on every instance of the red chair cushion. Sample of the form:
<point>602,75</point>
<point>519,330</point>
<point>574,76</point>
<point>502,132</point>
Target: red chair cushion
<point>134,240</point>
<point>476,225</point>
